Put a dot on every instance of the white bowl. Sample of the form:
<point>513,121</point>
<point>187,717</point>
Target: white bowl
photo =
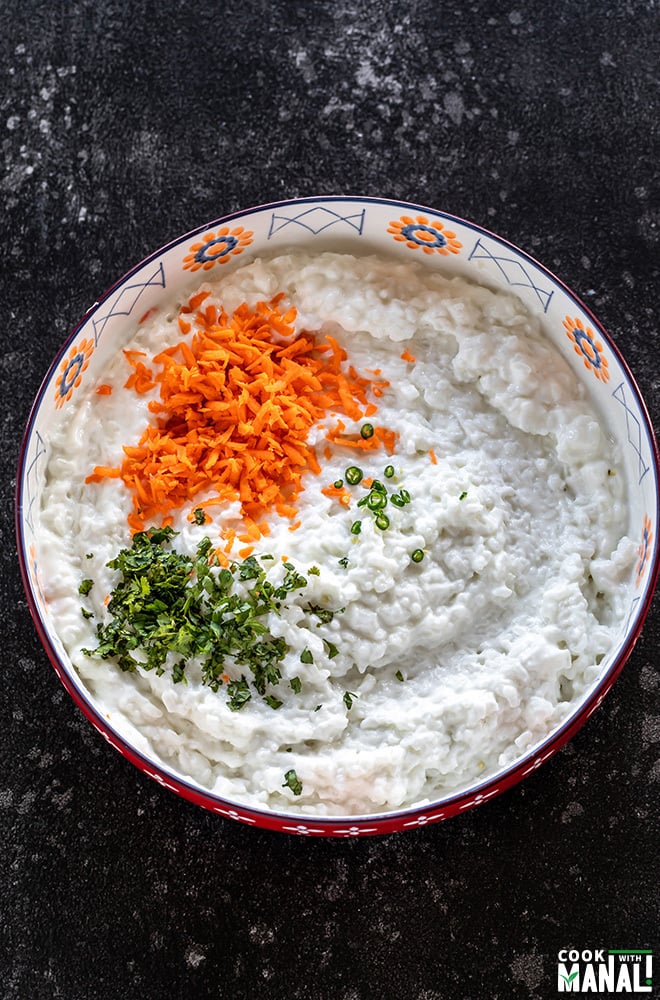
<point>360,226</point>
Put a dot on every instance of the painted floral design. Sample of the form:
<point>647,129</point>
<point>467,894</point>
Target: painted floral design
<point>587,346</point>
<point>217,248</point>
<point>420,233</point>
<point>644,550</point>
<point>71,371</point>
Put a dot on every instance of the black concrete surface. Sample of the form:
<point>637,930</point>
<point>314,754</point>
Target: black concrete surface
<point>124,124</point>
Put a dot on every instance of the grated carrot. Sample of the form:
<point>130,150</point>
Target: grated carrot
<point>338,493</point>
<point>104,390</point>
<point>432,456</point>
<point>407,356</point>
<point>236,404</point>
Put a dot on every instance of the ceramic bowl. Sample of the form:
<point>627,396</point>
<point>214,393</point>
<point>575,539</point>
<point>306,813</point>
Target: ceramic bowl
<point>358,225</point>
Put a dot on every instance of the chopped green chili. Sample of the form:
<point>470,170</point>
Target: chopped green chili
<point>353,475</point>
<point>292,781</point>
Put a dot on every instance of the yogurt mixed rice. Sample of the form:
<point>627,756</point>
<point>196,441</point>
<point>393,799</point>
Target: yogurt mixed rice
<point>419,654</point>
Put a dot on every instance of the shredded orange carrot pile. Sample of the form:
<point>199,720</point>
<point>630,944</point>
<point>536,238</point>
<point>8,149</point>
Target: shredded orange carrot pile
<point>237,402</point>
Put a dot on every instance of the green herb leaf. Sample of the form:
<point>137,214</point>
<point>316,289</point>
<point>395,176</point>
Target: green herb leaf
<point>306,656</point>
<point>399,676</point>
<point>85,587</point>
<point>296,685</point>
<point>348,699</point>
<point>239,694</point>
<point>199,515</point>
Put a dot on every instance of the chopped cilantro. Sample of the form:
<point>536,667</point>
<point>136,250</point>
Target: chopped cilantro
<point>348,699</point>
<point>344,562</point>
<point>85,587</point>
<point>296,685</point>
<point>314,571</point>
<point>399,676</point>
<point>178,672</point>
<point>463,495</point>
<point>239,694</point>
<point>306,656</point>
<point>324,615</point>
<point>168,603</point>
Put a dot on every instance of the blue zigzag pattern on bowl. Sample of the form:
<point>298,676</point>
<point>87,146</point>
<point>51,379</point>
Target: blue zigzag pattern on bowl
<point>31,478</point>
<point>633,428</point>
<point>515,273</point>
<point>127,298</point>
<point>316,220</point>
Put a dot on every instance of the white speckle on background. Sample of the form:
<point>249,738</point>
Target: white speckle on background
<point>12,122</point>
<point>454,107</point>
<point>194,958</point>
<point>527,968</point>
<point>572,810</point>
<point>650,729</point>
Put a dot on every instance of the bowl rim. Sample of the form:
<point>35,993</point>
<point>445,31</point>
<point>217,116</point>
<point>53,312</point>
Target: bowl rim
<point>464,798</point>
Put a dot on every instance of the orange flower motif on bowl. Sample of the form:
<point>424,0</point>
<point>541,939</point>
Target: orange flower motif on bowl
<point>428,235</point>
<point>217,248</point>
<point>71,371</point>
<point>587,346</point>
<point>644,549</point>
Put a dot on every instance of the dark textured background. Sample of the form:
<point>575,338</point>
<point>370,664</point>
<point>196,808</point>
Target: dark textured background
<point>124,124</point>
